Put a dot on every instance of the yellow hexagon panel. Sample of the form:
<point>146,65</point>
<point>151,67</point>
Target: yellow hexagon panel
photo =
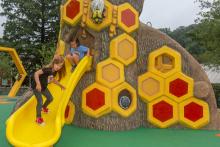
<point>124,49</point>
<point>124,100</point>
<point>110,73</point>
<point>96,100</point>
<point>72,12</point>
<point>69,113</point>
<point>179,87</point>
<point>21,70</point>
<point>150,86</point>
<point>194,113</point>
<point>162,112</point>
<point>128,18</point>
<point>164,62</point>
<point>106,20</point>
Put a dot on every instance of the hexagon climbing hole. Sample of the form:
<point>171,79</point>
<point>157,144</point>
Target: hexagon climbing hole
<point>95,99</point>
<point>193,111</point>
<point>164,63</point>
<point>178,87</point>
<point>111,73</point>
<point>150,86</point>
<point>124,49</point>
<point>163,111</point>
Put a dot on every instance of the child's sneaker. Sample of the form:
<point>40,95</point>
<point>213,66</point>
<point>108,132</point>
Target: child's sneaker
<point>40,121</point>
<point>45,110</point>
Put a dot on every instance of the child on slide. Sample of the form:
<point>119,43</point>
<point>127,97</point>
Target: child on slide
<point>39,85</point>
<point>77,52</point>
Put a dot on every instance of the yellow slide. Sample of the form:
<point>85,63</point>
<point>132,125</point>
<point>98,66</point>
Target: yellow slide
<point>21,129</point>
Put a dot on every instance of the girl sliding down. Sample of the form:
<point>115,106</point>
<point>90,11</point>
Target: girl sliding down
<point>39,85</point>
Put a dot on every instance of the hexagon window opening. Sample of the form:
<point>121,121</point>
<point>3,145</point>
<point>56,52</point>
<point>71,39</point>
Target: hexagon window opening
<point>164,63</point>
<point>124,99</point>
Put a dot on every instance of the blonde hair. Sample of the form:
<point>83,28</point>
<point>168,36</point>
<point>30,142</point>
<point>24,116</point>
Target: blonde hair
<point>58,59</point>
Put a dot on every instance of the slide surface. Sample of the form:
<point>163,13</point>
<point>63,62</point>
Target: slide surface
<point>21,129</point>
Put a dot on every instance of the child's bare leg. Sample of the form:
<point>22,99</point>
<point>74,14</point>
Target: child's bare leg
<point>74,59</point>
<point>70,58</point>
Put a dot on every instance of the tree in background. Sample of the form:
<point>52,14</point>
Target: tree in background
<point>32,28</point>
<point>183,36</point>
<point>207,32</point>
<point>202,39</point>
<point>5,68</point>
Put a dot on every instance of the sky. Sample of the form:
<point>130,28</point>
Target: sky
<point>161,13</point>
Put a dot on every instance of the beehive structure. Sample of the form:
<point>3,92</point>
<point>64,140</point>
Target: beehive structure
<point>139,76</point>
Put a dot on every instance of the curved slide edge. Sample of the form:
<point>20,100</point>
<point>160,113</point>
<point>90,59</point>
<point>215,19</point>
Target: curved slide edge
<point>55,120</point>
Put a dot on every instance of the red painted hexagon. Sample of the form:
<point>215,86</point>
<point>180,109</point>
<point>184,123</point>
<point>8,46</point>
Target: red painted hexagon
<point>95,99</point>
<point>178,87</point>
<point>193,111</point>
<point>128,17</point>
<point>163,111</point>
<point>72,9</point>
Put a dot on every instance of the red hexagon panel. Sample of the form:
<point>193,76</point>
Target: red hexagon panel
<point>95,99</point>
<point>193,111</point>
<point>72,9</point>
<point>163,111</point>
<point>178,87</point>
<point>128,17</point>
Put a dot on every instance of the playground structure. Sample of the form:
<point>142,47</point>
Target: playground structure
<point>20,68</point>
<point>136,71</point>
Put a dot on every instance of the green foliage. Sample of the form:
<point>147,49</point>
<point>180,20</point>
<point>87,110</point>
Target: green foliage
<point>5,66</point>
<point>183,36</point>
<point>31,26</point>
<point>202,39</point>
<point>207,32</point>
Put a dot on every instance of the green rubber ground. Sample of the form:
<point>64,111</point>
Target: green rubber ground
<point>142,137</point>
